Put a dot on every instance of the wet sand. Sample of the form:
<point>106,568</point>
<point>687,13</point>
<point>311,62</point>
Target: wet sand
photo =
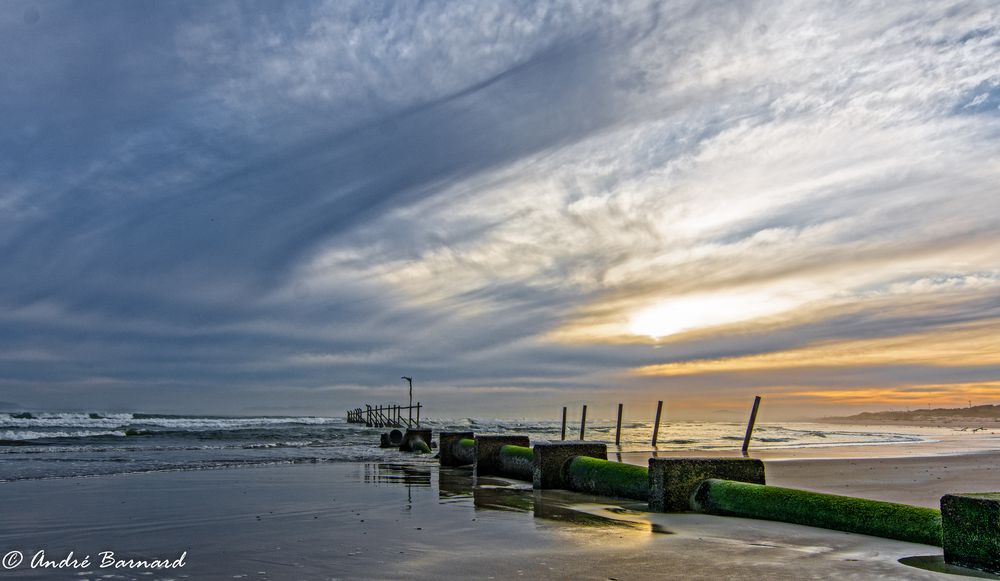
<point>381,521</point>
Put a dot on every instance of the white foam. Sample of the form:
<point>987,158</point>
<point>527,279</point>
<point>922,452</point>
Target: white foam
<point>122,421</point>
<point>29,435</point>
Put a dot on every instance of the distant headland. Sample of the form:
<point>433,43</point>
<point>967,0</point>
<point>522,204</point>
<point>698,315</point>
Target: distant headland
<point>972,416</point>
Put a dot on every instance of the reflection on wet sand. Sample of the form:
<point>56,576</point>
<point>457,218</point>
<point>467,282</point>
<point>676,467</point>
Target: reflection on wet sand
<point>454,483</point>
<point>457,485</point>
<point>385,473</point>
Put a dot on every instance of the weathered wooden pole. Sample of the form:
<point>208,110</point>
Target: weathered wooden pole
<point>618,428</point>
<point>656,423</point>
<point>418,414</point>
<point>563,433</point>
<point>583,421</point>
<point>753,420</point>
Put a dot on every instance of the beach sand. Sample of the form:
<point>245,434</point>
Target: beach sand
<point>384,521</point>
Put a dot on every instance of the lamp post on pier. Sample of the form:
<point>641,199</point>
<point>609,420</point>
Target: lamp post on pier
<point>409,380</point>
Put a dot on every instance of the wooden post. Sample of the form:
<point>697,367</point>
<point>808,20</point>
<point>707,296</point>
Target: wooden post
<point>753,420</point>
<point>656,423</point>
<point>418,414</point>
<point>563,436</point>
<point>618,429</point>
<point>583,421</point>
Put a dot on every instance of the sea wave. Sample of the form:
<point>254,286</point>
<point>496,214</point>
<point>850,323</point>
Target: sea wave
<point>188,423</point>
<point>73,444</point>
<point>16,435</point>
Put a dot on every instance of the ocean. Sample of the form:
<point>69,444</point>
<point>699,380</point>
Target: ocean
<point>63,445</point>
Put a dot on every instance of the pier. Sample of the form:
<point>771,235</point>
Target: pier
<point>386,416</point>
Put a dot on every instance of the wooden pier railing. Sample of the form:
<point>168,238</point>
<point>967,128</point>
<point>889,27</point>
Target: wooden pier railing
<point>386,416</point>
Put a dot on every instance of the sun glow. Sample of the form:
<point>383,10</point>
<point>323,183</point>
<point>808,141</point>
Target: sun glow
<point>974,344</point>
<point>714,309</point>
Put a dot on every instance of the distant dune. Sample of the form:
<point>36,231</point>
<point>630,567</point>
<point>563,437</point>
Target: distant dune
<point>980,415</point>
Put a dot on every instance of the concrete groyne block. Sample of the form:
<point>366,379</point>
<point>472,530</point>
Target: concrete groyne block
<point>971,530</point>
<point>416,440</point>
<point>551,459</point>
<point>451,454</point>
<point>487,452</point>
<point>672,481</point>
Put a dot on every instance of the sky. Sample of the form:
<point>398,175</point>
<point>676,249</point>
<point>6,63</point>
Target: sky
<point>283,207</point>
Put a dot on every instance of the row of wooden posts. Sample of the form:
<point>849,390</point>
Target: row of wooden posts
<point>386,416</point>
<point>656,423</point>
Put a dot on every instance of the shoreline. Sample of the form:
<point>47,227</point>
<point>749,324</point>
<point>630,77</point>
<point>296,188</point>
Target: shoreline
<point>409,518</point>
<point>384,520</point>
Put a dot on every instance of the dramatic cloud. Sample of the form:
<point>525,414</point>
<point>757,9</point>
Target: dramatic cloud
<point>255,206</point>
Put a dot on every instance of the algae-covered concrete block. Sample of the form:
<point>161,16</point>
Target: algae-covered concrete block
<point>517,462</point>
<point>607,478</point>
<point>488,452</point>
<point>672,481</point>
<point>413,438</point>
<point>551,459</point>
<point>891,520</point>
<point>447,450</point>
<point>971,530</point>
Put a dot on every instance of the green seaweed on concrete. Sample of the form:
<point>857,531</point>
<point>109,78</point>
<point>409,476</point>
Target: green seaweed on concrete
<point>520,452</point>
<point>517,461</point>
<point>890,520</point>
<point>464,450</point>
<point>608,478</point>
<point>421,447</point>
<point>972,530</point>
